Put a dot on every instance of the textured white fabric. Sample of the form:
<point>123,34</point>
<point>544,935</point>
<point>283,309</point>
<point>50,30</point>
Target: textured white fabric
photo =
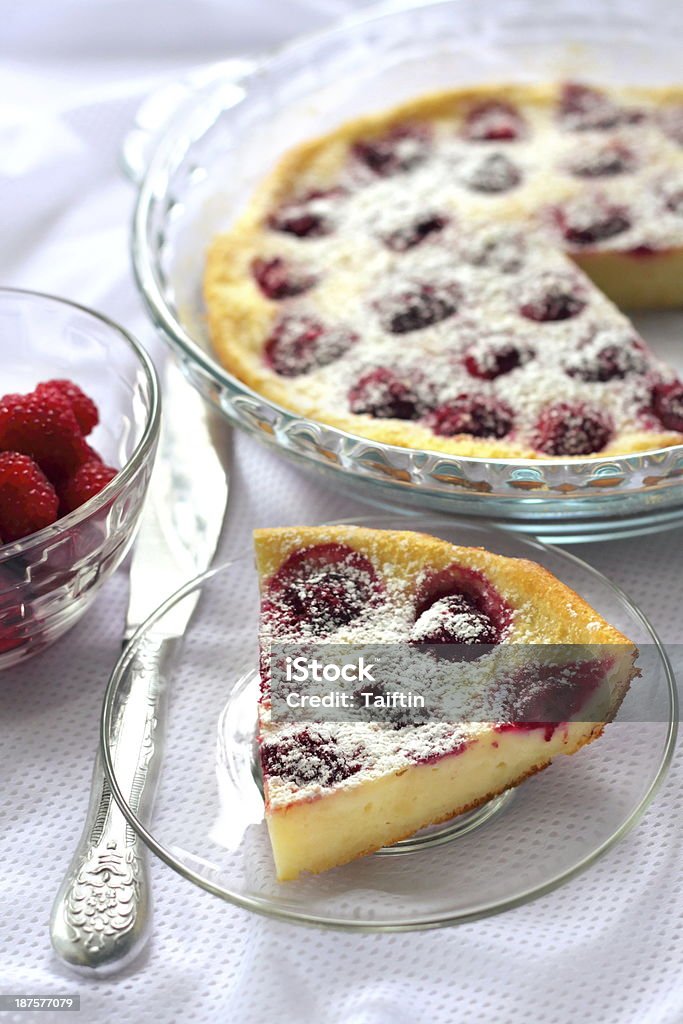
<point>605,948</point>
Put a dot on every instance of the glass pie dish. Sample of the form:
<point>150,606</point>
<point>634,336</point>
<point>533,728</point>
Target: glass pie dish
<point>226,132</point>
<point>209,825</point>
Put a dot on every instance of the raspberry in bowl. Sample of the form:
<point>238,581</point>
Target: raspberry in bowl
<point>79,424</point>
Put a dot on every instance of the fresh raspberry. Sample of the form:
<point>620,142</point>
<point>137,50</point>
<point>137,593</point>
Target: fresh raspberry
<point>476,415</point>
<point>298,344</point>
<point>28,501</point>
<point>85,483</point>
<point>572,429</point>
<point>493,121</point>
<point>93,455</point>
<point>667,402</point>
<point>278,279</point>
<point>45,427</point>
<point>400,149</point>
<point>384,394</point>
<point>84,408</point>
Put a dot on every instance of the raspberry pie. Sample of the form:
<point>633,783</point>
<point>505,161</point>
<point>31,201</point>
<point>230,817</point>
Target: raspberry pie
<point>336,790</point>
<point>444,276</point>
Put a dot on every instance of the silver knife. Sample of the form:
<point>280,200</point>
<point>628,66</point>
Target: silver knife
<point>100,918</point>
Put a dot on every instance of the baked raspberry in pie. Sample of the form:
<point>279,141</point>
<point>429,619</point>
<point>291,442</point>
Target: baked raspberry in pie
<point>336,790</point>
<point>467,251</point>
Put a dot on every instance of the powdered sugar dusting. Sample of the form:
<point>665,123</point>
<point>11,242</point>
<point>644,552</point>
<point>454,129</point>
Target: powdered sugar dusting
<point>463,622</point>
<point>300,761</point>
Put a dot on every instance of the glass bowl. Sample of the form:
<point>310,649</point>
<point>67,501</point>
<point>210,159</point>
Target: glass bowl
<point>226,133</point>
<point>208,822</point>
<point>48,579</point>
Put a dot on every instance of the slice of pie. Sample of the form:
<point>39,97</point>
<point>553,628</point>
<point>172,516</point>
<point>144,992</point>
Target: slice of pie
<point>422,277</point>
<point>336,790</point>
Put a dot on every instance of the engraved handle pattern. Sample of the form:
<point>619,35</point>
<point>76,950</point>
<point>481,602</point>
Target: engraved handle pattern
<point>101,914</point>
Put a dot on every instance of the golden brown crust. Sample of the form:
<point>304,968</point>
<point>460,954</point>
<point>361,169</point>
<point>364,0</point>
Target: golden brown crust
<point>240,316</point>
<point>547,611</point>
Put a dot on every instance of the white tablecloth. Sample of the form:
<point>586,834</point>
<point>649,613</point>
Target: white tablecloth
<point>606,948</point>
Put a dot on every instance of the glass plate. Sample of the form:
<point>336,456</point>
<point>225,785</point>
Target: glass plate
<point>226,133</point>
<point>208,822</point>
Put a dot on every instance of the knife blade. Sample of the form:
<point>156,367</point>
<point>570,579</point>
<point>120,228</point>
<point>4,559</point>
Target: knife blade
<point>185,508</point>
<point>100,918</point>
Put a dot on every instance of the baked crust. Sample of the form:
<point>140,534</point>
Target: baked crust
<point>533,591</point>
<point>241,317</point>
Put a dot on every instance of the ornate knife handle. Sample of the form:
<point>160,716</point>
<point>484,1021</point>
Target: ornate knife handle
<point>100,918</point>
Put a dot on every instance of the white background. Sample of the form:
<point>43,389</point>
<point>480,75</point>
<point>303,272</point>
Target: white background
<point>605,948</point>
